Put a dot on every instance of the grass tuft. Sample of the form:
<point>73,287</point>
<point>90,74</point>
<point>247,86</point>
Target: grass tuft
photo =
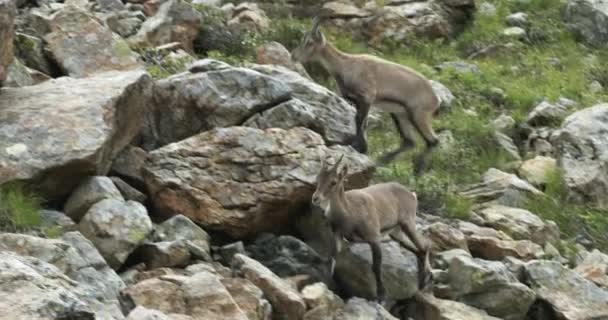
<point>19,208</point>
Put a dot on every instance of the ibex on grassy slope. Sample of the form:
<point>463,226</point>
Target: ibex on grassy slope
<point>365,215</point>
<point>367,81</point>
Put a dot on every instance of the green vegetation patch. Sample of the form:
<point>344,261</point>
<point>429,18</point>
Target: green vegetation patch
<point>19,208</point>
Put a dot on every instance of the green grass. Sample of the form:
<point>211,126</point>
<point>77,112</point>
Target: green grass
<point>19,209</point>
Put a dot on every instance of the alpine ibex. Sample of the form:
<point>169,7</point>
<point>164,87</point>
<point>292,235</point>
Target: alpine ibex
<point>365,215</point>
<point>366,81</point>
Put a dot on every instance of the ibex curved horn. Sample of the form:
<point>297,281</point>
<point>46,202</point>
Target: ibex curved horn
<point>335,168</point>
<point>318,19</point>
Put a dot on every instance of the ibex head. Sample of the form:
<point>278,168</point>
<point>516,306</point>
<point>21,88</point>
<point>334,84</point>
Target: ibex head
<point>311,43</point>
<point>330,181</point>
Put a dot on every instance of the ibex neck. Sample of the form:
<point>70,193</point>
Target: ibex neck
<point>331,58</point>
<point>338,208</point>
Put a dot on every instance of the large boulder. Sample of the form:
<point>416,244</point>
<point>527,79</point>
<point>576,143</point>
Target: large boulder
<point>583,154</point>
<point>82,46</point>
<point>249,298</point>
<point>175,21</point>
<point>214,94</point>
<point>519,223</point>
<point>74,256</point>
<point>488,285</point>
<point>116,228</point>
<point>491,248</point>
<point>355,277</point>
<point>30,50</point>
<point>200,296</point>
<point>55,138</point>
<point>289,256</point>
<point>570,296</point>
<point>285,299</point>
<point>88,193</point>
<point>588,19</point>
<point>31,288</point>
<point>595,268</point>
<point>8,11</point>
<point>270,174</point>
<point>180,227</point>
<point>501,188</point>
<point>428,307</point>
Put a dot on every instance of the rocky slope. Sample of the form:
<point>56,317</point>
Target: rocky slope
<point>187,197</point>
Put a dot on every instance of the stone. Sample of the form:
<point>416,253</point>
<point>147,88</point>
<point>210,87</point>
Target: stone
<point>128,192</point>
<point>501,188</point>
<point>82,46</point>
<point>286,301</point>
<point>271,173</point>
<point>444,237</point>
<point>128,164</point>
<point>249,298</point>
<point>587,18</point>
<point>487,9</point>
<point>249,16</point>
<point>55,219</point>
<point>443,259</point>
<point>163,254</point>
<point>569,295</point>
<point>8,11</point>
<point>180,227</point>
<point>18,75</point>
<point>515,33</point>
<point>116,228</point>
<point>546,113</point>
<point>123,24</point>
<point>74,256</point>
<point>517,19</point>
<point>353,271</point>
<point>507,145</point>
<point>31,288</point>
<point>288,256</point>
<point>504,123</point>
<point>200,296</point>
<point>538,170</point>
<point>110,5</point>
<point>595,87</point>
<point>595,268</point>
<point>143,313</point>
<point>228,251</point>
<point>69,138</point>
<point>470,229</point>
<point>337,9</point>
<point>275,53</point>
<point>489,286</point>
<point>444,94</point>
<point>583,154</point>
<point>321,302</point>
<point>441,309</point>
<point>491,248</point>
<point>88,193</point>
<point>361,309</point>
<point>175,21</point>
<point>520,224</point>
<point>459,67</point>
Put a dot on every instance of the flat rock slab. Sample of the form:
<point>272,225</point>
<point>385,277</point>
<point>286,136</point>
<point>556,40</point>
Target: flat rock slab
<point>57,137</point>
<point>241,180</point>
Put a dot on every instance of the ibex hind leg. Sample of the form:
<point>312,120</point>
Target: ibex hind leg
<point>406,132</point>
<point>423,123</point>
<point>425,276</point>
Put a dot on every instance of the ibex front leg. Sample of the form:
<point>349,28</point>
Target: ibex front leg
<point>377,269</point>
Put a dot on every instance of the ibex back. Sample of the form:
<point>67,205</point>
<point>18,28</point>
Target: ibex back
<point>367,81</point>
<point>364,215</point>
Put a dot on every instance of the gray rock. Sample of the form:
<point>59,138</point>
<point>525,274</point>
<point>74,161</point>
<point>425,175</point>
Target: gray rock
<point>595,87</point>
<point>288,256</point>
<point>514,32</point>
<point>443,259</point>
<point>459,66</point>
<point>180,227</point>
<point>128,192</point>
<point>569,295</point>
<point>443,93</point>
<point>488,285</point>
<point>506,143</point>
<point>8,11</point>
<point>504,123</point>
<point>595,268</point>
<point>69,137</point>
<point>547,114</point>
<point>175,21</point>
<point>74,256</point>
<point>82,46</point>
<point>110,5</point>
<point>487,9</point>
<point>583,154</point>
<point>519,224</point>
<point>249,16</point>
<point>18,75</point>
<point>444,237</point>
<point>31,288</point>
<point>538,170</point>
<point>321,302</point>
<point>518,19</point>
<point>54,219</point>
<point>587,19</point>
<point>270,173</point>
<point>501,188</point>
<point>285,300</point>
<point>361,309</point>
<point>228,251</point>
<point>123,24</point>
<point>143,313</point>
<point>275,53</point>
<point>249,298</point>
<point>128,164</point>
<point>430,307</point>
<point>353,271</point>
<point>491,248</point>
<point>88,193</point>
<point>116,228</point>
<point>164,254</point>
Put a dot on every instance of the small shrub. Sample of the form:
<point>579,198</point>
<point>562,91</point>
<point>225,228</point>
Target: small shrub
<point>19,208</point>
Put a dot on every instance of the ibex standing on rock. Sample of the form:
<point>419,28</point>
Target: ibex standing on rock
<point>364,215</point>
<point>366,81</point>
